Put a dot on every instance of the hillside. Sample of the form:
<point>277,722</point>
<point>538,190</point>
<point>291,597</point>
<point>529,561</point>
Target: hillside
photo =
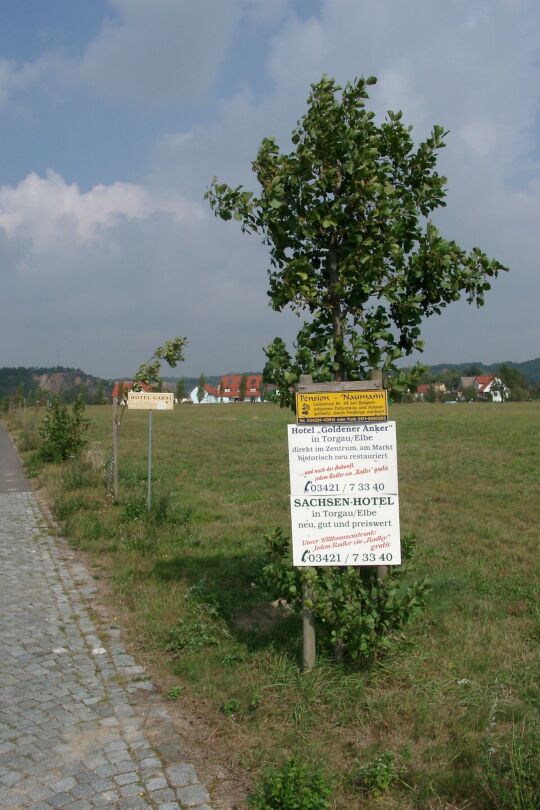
<point>66,383</point>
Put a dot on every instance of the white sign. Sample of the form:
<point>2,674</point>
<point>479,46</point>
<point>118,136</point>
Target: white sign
<point>344,494</point>
<point>150,400</point>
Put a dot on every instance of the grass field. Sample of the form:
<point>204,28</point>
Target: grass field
<point>448,718</point>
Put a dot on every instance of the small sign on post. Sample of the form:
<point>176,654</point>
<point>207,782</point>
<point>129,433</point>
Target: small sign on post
<point>150,401</point>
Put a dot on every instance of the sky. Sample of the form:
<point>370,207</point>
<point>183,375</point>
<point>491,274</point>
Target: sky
<point>116,114</point>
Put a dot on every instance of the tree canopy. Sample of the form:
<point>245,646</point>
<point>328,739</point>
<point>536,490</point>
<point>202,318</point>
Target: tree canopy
<point>346,218</point>
<point>172,352</point>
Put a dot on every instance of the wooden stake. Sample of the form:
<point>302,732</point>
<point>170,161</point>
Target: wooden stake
<point>376,376</point>
<point>308,627</point>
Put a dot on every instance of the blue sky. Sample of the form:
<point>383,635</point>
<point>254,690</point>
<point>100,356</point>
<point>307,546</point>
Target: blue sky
<point>115,115</point>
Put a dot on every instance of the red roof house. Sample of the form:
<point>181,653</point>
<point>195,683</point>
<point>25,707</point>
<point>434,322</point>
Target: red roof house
<point>230,387</point>
<point>120,389</point>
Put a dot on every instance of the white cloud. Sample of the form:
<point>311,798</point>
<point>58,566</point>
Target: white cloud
<point>473,70</point>
<point>49,212</point>
<point>46,73</point>
<point>157,51</point>
<point>470,65</point>
<point>266,12</point>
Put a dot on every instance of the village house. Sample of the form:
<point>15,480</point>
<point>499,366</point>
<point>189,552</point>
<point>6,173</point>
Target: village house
<point>231,388</point>
<point>427,390</point>
<point>210,395</point>
<point>486,387</point>
<point>120,390</point>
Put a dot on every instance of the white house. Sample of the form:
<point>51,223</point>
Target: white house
<point>487,386</point>
<point>210,397</point>
<point>231,388</point>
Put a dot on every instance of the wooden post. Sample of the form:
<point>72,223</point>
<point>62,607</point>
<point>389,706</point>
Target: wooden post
<point>115,449</point>
<point>309,653</point>
<point>308,628</point>
<point>377,376</point>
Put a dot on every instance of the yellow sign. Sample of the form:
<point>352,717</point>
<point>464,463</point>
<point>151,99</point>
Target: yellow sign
<point>342,406</point>
<point>150,400</point>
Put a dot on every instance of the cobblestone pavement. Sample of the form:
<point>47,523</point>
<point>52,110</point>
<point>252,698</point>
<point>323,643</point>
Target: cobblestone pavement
<point>72,731</point>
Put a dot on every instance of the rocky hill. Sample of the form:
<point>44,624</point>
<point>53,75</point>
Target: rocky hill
<point>65,383</point>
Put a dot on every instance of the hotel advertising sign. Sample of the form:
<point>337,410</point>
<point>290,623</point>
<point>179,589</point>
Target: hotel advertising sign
<point>341,406</point>
<point>150,400</point>
<point>344,494</point>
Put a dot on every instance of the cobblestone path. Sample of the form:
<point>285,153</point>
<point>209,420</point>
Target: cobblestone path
<point>71,733</point>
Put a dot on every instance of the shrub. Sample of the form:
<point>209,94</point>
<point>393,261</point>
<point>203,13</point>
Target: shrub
<point>201,626</point>
<point>356,613</point>
<point>134,509</point>
<point>162,511</point>
<point>78,474</point>
<point>62,431</point>
<point>377,776</point>
<point>28,440</point>
<point>293,787</point>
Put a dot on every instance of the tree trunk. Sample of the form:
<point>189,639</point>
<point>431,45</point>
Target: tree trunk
<point>337,318</point>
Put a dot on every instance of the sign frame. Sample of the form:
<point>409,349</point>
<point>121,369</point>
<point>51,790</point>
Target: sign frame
<point>350,406</point>
<point>150,401</point>
<point>344,495</point>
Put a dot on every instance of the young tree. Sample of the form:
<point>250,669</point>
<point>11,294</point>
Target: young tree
<point>345,216</point>
<point>242,388</point>
<point>200,387</point>
<point>172,352</point>
<point>515,380</point>
<point>473,370</point>
<point>498,387</point>
<point>100,394</point>
<point>181,389</point>
<point>63,432</point>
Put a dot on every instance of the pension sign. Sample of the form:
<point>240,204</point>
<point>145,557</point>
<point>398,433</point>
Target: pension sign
<point>341,406</point>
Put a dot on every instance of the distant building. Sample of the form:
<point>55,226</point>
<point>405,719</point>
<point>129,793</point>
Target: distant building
<point>231,389</point>
<point>120,390</point>
<point>491,388</point>
<point>486,387</point>
<point>425,389</point>
<point>210,395</point>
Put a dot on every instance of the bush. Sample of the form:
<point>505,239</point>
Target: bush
<point>134,509</point>
<point>293,787</point>
<point>62,431</point>
<point>28,440</point>
<point>163,511</point>
<point>78,474</point>
<point>356,613</point>
<point>376,777</point>
<point>201,625</point>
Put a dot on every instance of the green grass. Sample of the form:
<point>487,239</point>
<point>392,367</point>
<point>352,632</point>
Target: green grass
<point>457,683</point>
